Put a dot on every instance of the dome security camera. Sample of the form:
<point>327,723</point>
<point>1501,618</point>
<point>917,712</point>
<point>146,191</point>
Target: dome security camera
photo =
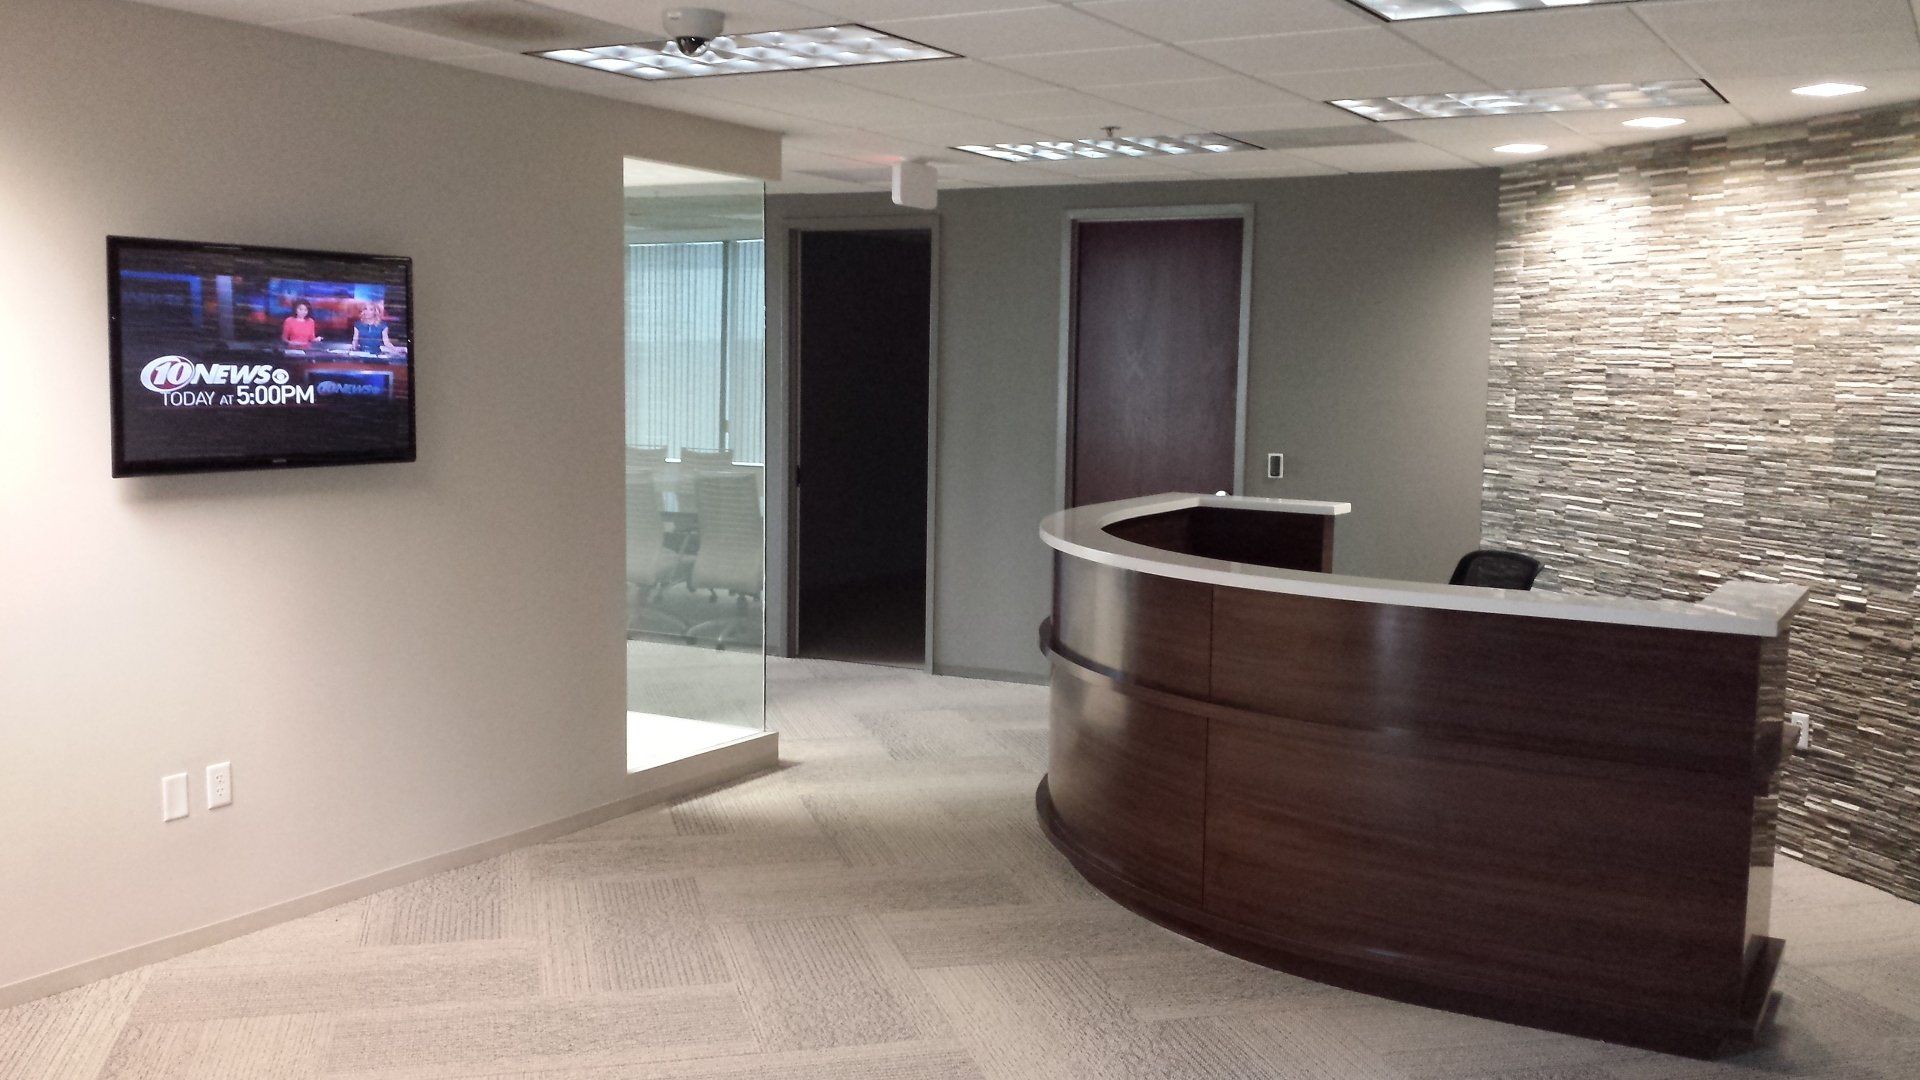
<point>693,29</point>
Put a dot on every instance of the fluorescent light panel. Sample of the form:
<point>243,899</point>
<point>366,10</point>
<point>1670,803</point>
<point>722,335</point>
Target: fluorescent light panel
<point>745,54</point>
<point>1651,95</point>
<point>1119,146</point>
<point>1398,10</point>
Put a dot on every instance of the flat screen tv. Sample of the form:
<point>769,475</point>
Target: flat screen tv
<point>230,357</point>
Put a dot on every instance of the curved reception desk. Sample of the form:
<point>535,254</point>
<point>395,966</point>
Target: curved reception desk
<point>1544,808</point>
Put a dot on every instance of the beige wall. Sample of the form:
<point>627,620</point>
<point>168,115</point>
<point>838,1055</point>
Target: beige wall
<point>400,660</point>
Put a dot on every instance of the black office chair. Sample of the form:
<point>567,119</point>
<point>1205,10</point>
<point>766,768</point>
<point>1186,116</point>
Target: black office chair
<point>1496,570</point>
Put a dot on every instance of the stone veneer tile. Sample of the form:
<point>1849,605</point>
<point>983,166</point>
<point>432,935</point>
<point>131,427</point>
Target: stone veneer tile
<point>1706,366</point>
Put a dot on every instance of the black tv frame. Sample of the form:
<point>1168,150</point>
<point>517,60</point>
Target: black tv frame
<point>123,468</point>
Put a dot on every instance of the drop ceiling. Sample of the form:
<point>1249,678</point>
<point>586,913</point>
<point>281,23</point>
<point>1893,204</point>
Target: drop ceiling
<point>1065,69</point>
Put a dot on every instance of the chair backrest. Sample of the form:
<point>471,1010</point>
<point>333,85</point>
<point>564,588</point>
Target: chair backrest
<point>646,528</point>
<point>705,458</point>
<point>1492,569</point>
<point>732,551</point>
<point>646,456</point>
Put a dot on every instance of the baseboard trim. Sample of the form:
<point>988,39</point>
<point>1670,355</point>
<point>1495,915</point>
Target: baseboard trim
<point>723,764</point>
<point>992,674</point>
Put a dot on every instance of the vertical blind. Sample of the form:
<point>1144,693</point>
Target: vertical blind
<point>696,347</point>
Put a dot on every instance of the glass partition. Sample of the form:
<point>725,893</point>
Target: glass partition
<point>695,461</point>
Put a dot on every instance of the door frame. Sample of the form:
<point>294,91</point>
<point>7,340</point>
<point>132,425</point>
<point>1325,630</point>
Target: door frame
<point>1069,287</point>
<point>783,299</point>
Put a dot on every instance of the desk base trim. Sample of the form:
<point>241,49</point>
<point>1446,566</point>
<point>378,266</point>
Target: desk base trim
<point>1701,1037</point>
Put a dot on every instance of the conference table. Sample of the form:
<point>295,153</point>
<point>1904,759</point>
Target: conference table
<point>1540,807</point>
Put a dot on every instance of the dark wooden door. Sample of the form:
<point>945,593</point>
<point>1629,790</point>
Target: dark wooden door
<point>1155,353</point>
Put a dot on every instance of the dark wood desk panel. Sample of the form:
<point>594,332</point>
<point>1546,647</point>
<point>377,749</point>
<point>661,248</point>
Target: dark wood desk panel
<point>1133,775</point>
<point>1156,629</point>
<point>1677,697</point>
<point>1556,821</point>
<point>1287,541</point>
<point>1469,866</point>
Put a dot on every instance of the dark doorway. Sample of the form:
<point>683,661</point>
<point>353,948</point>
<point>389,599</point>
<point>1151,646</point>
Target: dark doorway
<point>1155,357</point>
<point>862,335</point>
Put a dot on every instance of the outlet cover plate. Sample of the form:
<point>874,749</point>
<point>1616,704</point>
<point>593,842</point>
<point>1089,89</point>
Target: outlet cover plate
<point>219,785</point>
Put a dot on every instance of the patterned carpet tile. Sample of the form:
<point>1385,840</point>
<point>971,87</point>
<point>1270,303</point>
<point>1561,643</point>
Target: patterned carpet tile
<point>527,1036</point>
<point>882,907</point>
<point>390,978</point>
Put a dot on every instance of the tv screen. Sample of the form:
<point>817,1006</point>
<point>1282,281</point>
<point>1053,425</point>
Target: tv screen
<point>245,357</point>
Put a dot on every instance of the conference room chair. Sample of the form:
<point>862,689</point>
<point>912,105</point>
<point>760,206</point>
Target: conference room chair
<point>1491,569</point>
<point>705,459</point>
<point>652,565</point>
<point>646,457</point>
<point>731,556</point>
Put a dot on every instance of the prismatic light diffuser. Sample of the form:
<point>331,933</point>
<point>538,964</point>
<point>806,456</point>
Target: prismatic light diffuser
<point>1113,146</point>
<point>851,45</point>
<point>1671,93</point>
<point>1397,10</point>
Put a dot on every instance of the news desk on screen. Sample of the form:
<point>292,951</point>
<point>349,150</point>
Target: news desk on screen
<point>1550,809</point>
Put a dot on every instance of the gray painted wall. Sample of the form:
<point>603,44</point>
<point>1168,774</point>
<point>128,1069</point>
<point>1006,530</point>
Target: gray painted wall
<point>1372,306</point>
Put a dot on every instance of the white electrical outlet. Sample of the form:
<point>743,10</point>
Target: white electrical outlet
<point>173,797</point>
<point>219,785</point>
<point>1276,466</point>
<point>1805,724</point>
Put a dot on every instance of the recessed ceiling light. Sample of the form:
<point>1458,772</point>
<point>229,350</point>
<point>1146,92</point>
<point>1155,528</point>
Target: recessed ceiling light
<point>1649,95</point>
<point>746,54</point>
<point>1520,148</point>
<point>1116,146</point>
<point>1829,89</point>
<point>1396,10</point>
<point>1653,122</point>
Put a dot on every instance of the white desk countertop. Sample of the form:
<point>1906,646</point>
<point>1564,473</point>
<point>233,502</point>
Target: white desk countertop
<point>1754,608</point>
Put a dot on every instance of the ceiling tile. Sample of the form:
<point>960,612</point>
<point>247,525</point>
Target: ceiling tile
<point>932,80</point>
<point>1429,78</point>
<point>743,16</point>
<point>1393,157</point>
<point>1018,32</point>
<point>1561,47</point>
<point>1115,67</point>
<point>1127,121</point>
<point>972,131</point>
<point>1770,99</point>
<point>1474,137</point>
<point>1195,20</point>
<point>1165,97</point>
<point>1607,125</point>
<point>1329,50</point>
<point>1761,38</point>
<point>1028,105</point>
<point>367,34</point>
<point>1271,117</point>
<point>892,10</point>
<point>1255,163</point>
<point>268,11</point>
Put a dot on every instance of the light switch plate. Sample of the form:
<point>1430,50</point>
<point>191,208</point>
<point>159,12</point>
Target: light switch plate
<point>219,785</point>
<point>173,797</point>
<point>1276,466</point>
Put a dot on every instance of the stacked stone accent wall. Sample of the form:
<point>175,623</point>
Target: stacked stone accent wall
<point>1706,365</point>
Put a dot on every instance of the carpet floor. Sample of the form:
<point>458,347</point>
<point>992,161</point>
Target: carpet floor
<point>882,907</point>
